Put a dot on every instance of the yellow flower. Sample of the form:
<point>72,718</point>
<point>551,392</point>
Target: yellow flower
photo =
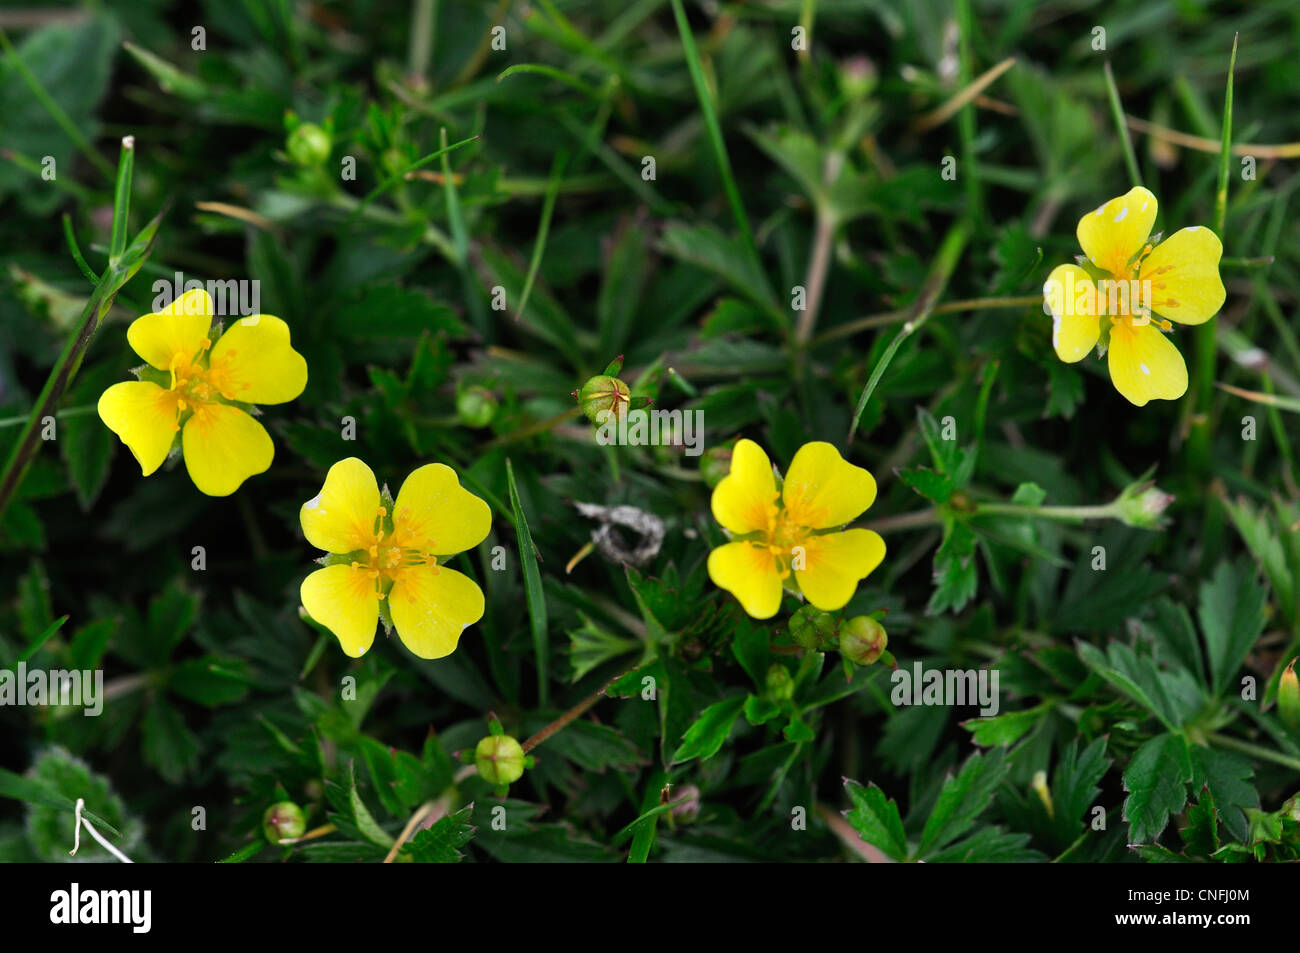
<point>1136,284</point>
<point>795,530</point>
<point>196,388</point>
<point>388,552</point>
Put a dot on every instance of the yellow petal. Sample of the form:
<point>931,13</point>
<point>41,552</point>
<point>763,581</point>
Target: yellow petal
<point>435,513</point>
<point>1187,265</point>
<point>177,330</point>
<point>341,517</point>
<point>432,607</point>
<point>343,600</point>
<point>1114,233</point>
<point>254,363</point>
<point>823,490</point>
<point>1075,326</point>
<point>1145,365</point>
<point>223,447</point>
<point>143,415</point>
<point>749,573</point>
<point>835,563</point>
<point>744,500</point>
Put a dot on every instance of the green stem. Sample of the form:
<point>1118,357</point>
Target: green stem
<point>61,415</point>
<point>1071,514</point>
<point>1121,126</point>
<point>423,22</point>
<point>944,263</point>
<point>966,118</point>
<point>1255,751</point>
<point>118,273</point>
<point>916,520</point>
<point>886,318</point>
<point>393,180</point>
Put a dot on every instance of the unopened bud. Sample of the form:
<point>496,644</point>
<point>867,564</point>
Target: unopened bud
<point>686,803</point>
<point>857,77</point>
<point>499,759</point>
<point>1291,808</point>
<point>780,686</point>
<point>309,144</point>
<point>283,821</point>
<point>603,394</point>
<point>863,640</point>
<point>475,406</point>
<point>1288,699</point>
<point>812,628</point>
<point>1039,784</point>
<point>1141,504</point>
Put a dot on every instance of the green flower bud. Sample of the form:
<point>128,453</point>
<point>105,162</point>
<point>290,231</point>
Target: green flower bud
<point>603,393</point>
<point>1291,808</point>
<point>283,821</point>
<point>309,144</point>
<point>812,628</point>
<point>863,640</point>
<point>857,77</point>
<point>500,760</point>
<point>779,684</point>
<point>393,161</point>
<point>686,803</point>
<point>1288,699</point>
<point>1141,504</point>
<point>475,406</point>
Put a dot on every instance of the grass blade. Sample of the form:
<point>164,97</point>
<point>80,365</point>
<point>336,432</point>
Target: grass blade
<point>1121,127</point>
<point>949,253</point>
<point>121,200</point>
<point>714,130</point>
<point>55,110</point>
<point>1198,441</point>
<point>42,639</point>
<point>389,182</point>
<point>543,229</point>
<point>533,593</point>
<point>1262,397</point>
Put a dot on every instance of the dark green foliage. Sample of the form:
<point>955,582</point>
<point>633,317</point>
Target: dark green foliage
<point>763,255</point>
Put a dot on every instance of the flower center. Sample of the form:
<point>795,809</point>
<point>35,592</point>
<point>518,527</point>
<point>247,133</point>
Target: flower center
<point>390,555</point>
<point>1128,296</point>
<point>787,533</point>
<point>196,381</point>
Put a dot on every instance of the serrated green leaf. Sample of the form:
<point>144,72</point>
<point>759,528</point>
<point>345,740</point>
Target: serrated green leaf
<point>1156,781</point>
<point>704,738</point>
<point>876,819</point>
